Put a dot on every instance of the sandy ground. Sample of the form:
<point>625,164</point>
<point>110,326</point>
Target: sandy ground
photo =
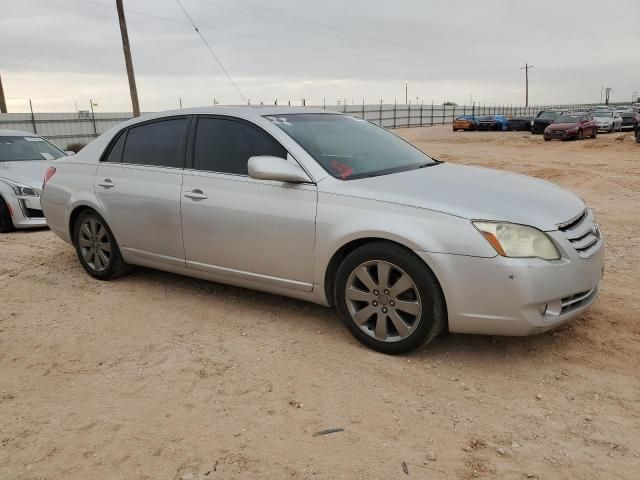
<point>156,376</point>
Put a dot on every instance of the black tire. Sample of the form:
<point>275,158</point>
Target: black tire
<point>433,317</point>
<point>580,135</point>
<point>547,139</point>
<point>6,224</point>
<point>595,133</point>
<point>116,265</point>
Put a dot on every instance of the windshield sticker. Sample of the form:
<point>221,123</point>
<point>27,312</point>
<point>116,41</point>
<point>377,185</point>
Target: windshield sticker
<point>279,121</point>
<point>341,169</point>
<point>47,156</point>
<point>33,139</point>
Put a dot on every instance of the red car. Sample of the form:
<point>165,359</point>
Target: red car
<point>571,126</point>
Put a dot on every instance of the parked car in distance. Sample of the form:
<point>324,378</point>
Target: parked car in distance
<point>493,122</point>
<point>465,122</point>
<point>331,209</point>
<point>571,126</point>
<point>24,158</point>
<point>630,120</point>
<point>520,124</point>
<point>608,121</point>
<point>543,120</point>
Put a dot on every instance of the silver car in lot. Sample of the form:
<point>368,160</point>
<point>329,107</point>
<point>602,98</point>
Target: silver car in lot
<point>334,210</point>
<point>608,120</point>
<point>24,158</point>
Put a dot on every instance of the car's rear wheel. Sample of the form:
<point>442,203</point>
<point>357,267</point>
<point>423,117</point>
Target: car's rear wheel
<point>6,224</point>
<point>389,299</point>
<point>595,133</point>
<point>97,248</point>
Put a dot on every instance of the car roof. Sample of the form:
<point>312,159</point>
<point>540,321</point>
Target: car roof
<point>16,133</point>
<point>245,111</point>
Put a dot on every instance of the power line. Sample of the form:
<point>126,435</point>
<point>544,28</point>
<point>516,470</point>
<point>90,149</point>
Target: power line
<point>459,68</point>
<point>204,40</point>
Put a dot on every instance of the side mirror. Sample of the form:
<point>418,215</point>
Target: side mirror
<point>69,153</point>
<point>266,167</point>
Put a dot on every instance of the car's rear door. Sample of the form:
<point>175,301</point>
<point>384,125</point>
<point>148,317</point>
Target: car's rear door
<point>236,226</point>
<point>138,185</point>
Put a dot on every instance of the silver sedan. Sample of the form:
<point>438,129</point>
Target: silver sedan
<point>24,158</point>
<point>334,210</point>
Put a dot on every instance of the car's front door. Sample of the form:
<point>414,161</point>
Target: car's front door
<point>138,184</point>
<point>237,226</point>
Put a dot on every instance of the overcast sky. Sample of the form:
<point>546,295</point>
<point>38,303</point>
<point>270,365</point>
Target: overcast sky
<point>58,52</point>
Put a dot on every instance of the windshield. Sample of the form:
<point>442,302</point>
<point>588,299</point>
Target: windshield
<point>548,115</point>
<point>350,148</point>
<point>602,114</point>
<point>15,149</point>
<point>568,119</point>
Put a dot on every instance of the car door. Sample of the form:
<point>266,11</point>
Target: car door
<point>138,184</point>
<point>236,226</point>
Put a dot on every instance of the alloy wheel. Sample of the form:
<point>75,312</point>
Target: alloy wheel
<point>383,301</point>
<point>94,243</point>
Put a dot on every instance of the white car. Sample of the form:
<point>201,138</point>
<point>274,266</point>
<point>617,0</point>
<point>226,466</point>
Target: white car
<point>24,159</point>
<point>608,121</point>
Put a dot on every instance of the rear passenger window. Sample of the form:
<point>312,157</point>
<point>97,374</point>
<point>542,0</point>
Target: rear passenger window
<point>156,143</point>
<point>225,146</point>
<point>115,154</point>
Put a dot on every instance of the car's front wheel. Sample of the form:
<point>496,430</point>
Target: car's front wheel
<point>97,248</point>
<point>6,224</point>
<point>389,299</point>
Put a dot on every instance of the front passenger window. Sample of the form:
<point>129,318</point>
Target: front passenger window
<point>225,146</point>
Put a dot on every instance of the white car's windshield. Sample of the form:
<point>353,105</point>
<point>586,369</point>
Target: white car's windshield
<point>15,149</point>
<point>350,148</point>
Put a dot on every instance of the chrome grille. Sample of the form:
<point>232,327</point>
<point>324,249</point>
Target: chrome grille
<point>583,233</point>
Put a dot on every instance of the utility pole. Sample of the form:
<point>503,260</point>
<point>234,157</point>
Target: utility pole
<point>3,103</point>
<point>127,59</point>
<point>607,94</point>
<point>526,82</point>
<point>634,95</point>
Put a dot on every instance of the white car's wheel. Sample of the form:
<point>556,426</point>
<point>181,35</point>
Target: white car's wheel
<point>6,224</point>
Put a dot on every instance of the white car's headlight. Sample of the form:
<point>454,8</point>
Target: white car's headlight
<point>517,241</point>
<point>21,190</point>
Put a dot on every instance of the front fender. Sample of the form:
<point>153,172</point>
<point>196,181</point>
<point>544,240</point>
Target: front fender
<point>341,220</point>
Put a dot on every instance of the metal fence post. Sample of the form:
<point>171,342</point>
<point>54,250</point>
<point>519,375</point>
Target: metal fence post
<point>444,113</point>
<point>394,112</point>
<point>453,115</point>
<point>380,112</point>
<point>33,119</point>
<point>431,113</point>
<point>93,118</point>
<point>409,115</point>
<point>363,108</point>
<point>421,114</point>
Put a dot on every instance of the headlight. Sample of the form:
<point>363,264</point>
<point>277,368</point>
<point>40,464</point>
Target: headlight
<point>517,241</point>
<point>21,190</point>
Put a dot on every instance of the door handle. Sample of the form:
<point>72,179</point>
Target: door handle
<point>196,194</point>
<point>106,183</point>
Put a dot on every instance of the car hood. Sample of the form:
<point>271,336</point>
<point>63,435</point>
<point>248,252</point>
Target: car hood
<point>562,126</point>
<point>29,173</point>
<point>471,192</point>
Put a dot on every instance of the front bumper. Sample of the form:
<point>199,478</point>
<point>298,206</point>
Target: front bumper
<point>26,212</point>
<point>605,127</point>
<point>560,134</point>
<point>510,296</point>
